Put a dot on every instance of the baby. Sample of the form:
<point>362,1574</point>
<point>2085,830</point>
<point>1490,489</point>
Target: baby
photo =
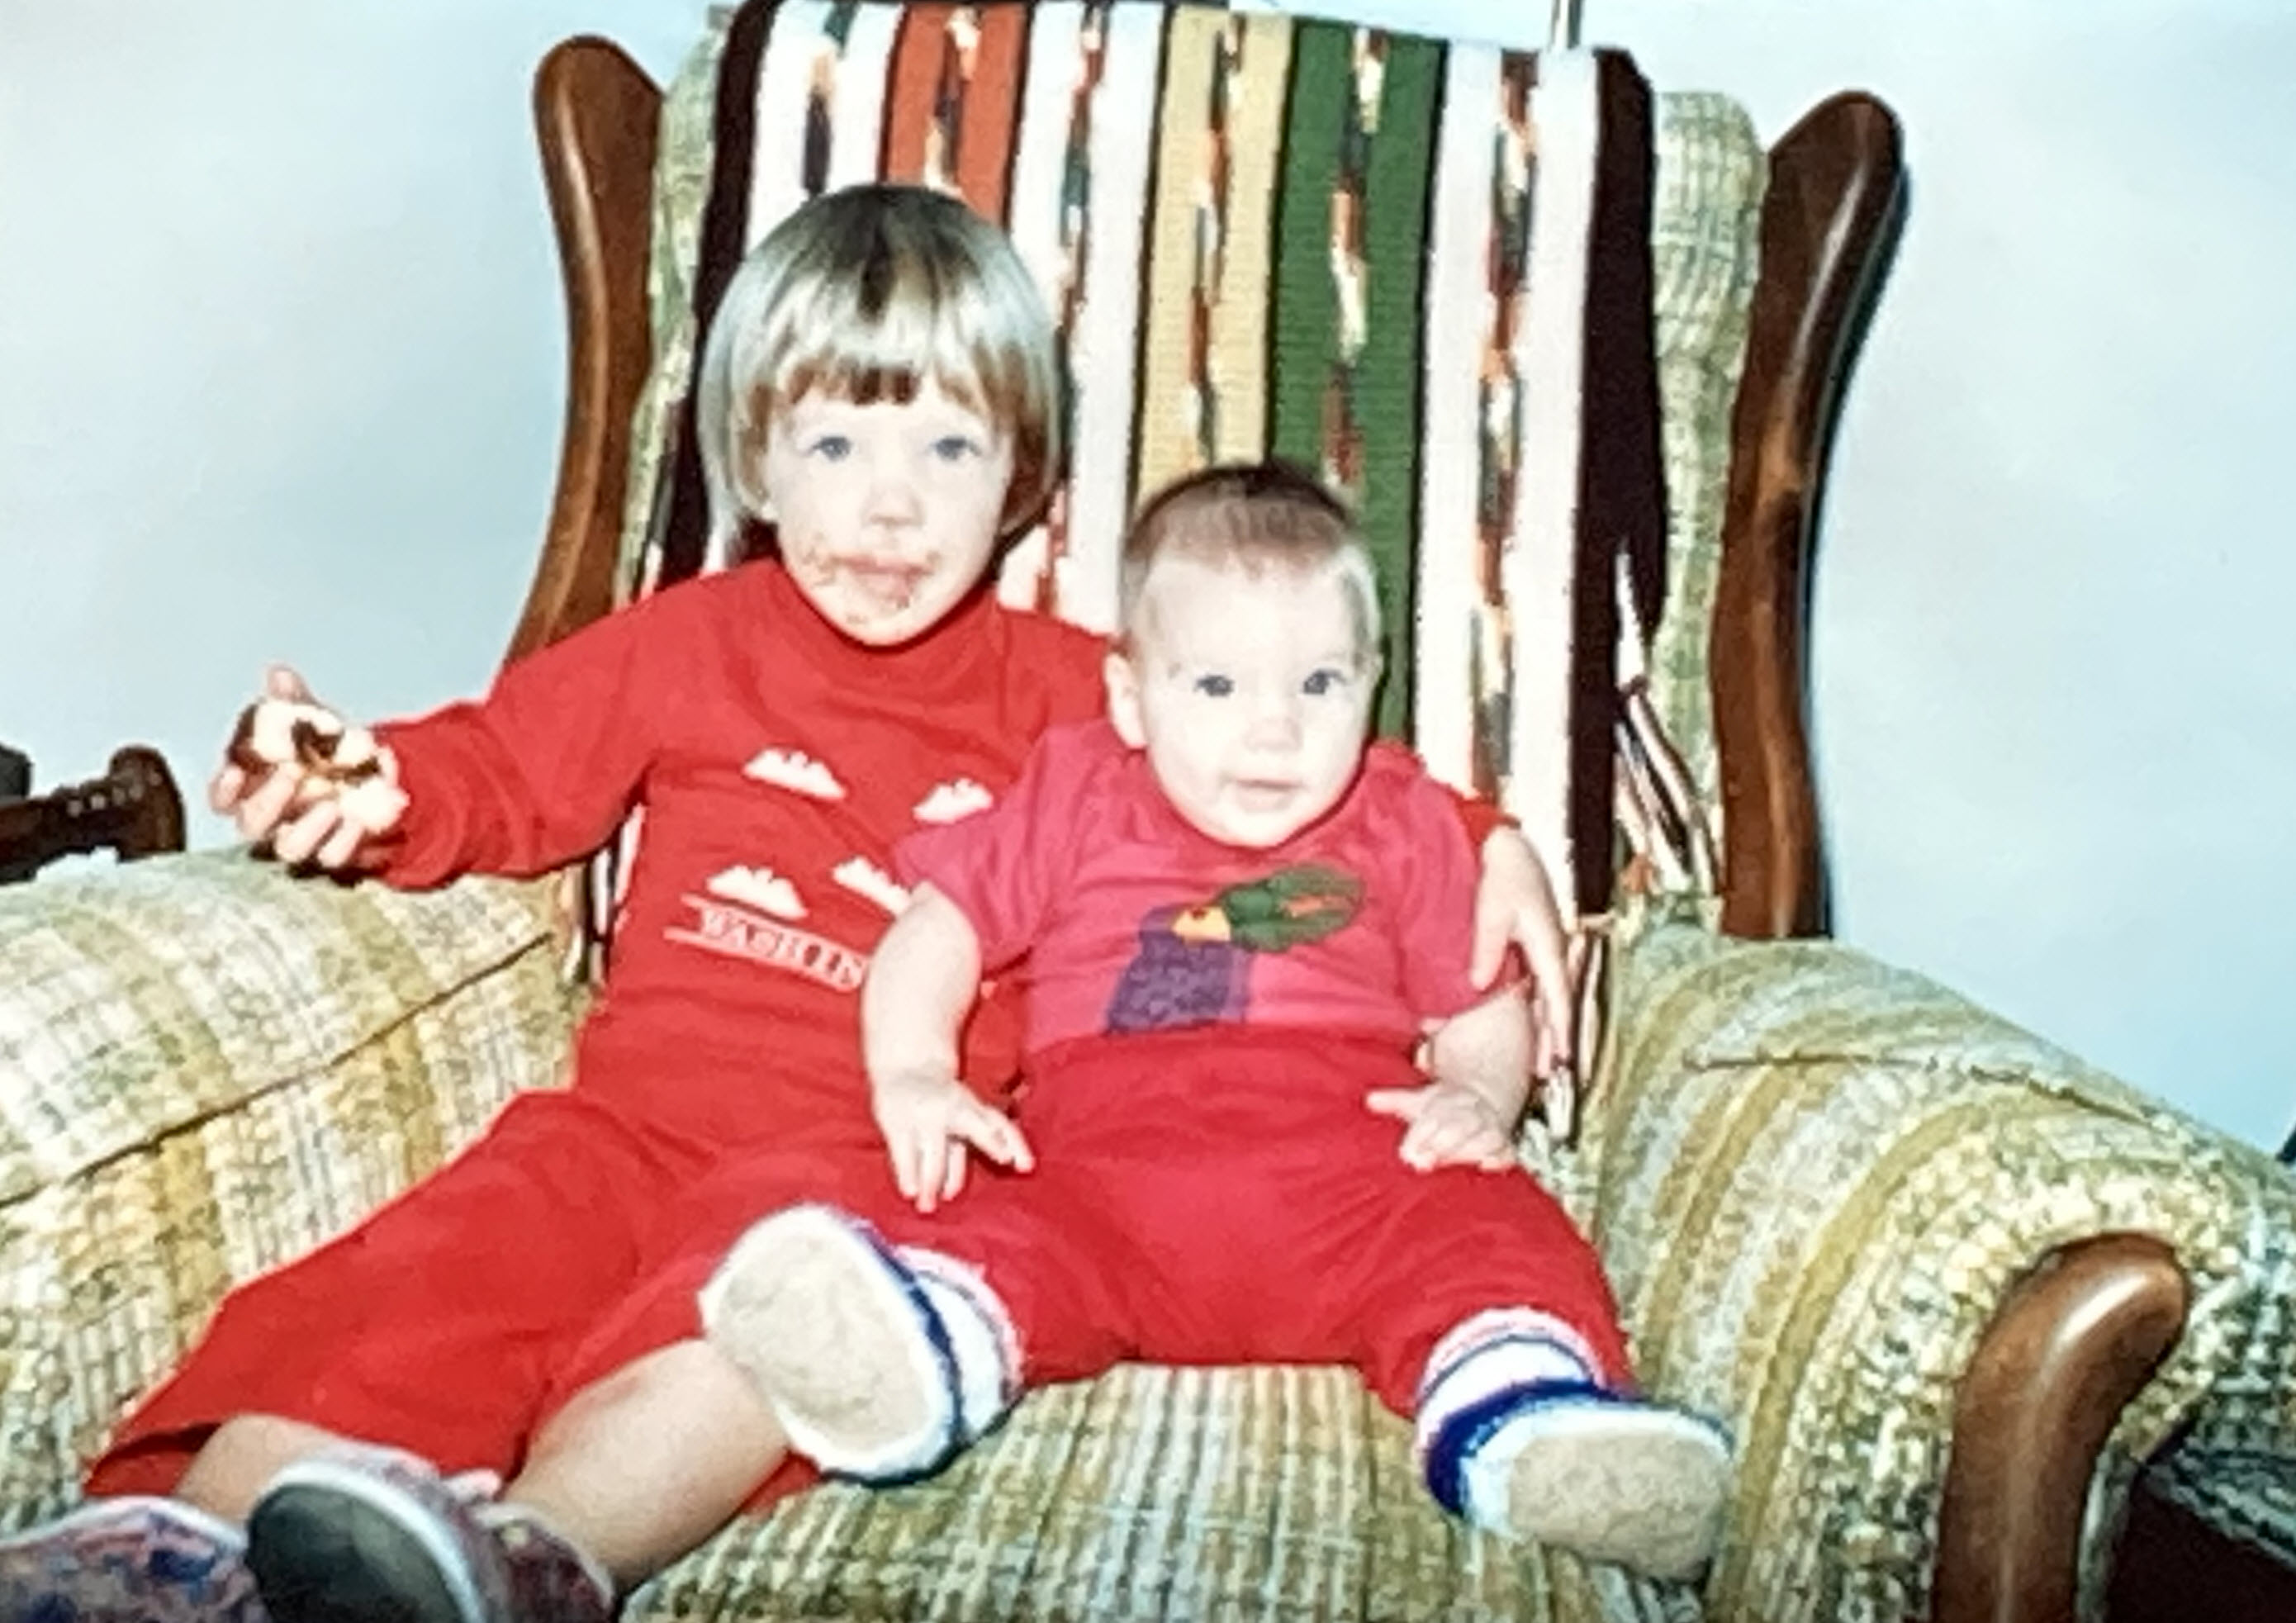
<point>1239,928</point>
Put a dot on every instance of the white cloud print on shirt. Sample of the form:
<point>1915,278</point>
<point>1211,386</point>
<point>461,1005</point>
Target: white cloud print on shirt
<point>953,802</point>
<point>866,878</point>
<point>761,888</point>
<point>796,772</point>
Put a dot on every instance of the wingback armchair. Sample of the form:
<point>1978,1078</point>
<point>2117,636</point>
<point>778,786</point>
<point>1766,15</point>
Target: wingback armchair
<point>1950,1288</point>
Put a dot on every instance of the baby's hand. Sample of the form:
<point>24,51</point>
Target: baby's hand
<point>1450,1126</point>
<point>299,777</point>
<point>927,1122</point>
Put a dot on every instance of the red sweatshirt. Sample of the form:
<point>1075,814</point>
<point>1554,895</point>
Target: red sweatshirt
<point>777,764</point>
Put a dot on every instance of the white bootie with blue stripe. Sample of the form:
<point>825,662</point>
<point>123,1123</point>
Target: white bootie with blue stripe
<point>1516,1434</point>
<point>881,1363</point>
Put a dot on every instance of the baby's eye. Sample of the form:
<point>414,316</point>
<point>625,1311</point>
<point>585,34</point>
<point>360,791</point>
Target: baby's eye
<point>1328,680</point>
<point>1214,685</point>
<point>955,447</point>
<point>832,448</point>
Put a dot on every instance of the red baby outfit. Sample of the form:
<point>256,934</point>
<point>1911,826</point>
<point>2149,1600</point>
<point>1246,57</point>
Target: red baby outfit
<point>1204,1023</point>
<point>1130,920</point>
<point>777,763</point>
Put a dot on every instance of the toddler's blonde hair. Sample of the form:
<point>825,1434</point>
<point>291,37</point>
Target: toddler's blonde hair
<point>865,294</point>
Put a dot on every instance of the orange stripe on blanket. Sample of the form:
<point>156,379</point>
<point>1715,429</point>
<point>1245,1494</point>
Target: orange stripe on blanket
<point>991,109</point>
<point>912,90</point>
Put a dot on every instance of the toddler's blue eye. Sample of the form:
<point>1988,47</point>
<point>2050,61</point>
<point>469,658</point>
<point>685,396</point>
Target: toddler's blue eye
<point>954,447</point>
<point>1324,681</point>
<point>1214,685</point>
<point>832,447</point>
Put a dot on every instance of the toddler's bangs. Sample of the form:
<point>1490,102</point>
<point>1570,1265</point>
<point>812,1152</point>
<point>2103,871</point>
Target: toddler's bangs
<point>870,295</point>
<point>851,346</point>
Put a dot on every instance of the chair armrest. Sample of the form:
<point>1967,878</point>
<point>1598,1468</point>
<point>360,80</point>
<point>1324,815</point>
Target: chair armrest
<point>1817,1179</point>
<point>206,1067</point>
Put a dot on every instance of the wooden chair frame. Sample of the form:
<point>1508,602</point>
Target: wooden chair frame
<point>2073,1343</point>
<point>134,810</point>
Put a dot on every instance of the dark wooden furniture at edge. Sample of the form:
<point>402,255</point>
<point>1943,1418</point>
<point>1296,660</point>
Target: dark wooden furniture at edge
<point>133,809</point>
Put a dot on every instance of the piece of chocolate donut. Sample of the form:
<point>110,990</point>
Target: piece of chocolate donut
<point>311,737</point>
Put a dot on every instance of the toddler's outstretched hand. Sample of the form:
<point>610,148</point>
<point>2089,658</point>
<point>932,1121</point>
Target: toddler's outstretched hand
<point>296,775</point>
<point>1451,1125</point>
<point>930,1122</point>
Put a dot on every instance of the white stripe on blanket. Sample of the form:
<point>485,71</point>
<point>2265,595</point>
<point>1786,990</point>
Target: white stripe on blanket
<point>1036,220</point>
<point>1106,354</point>
<point>1460,312</point>
<point>857,107</point>
<point>776,177</point>
<point>1542,559</point>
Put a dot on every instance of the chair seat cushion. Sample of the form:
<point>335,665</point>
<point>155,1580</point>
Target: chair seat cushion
<point>1178,1494</point>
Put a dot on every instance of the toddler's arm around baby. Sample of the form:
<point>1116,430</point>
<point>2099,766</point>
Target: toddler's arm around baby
<point>1479,1081</point>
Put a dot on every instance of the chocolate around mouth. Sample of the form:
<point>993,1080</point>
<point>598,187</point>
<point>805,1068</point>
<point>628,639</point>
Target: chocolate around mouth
<point>894,585</point>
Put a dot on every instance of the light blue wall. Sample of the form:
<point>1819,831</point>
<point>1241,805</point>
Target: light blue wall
<point>280,353</point>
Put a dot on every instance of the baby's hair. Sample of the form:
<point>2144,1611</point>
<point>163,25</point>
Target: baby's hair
<point>1253,517</point>
<point>865,294</point>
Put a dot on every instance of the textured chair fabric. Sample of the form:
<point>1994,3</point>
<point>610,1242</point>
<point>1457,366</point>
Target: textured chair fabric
<point>1157,1494</point>
<point>207,1068</point>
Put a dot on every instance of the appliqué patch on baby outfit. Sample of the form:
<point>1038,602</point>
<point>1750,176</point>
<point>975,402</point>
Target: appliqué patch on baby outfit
<point>1193,964</point>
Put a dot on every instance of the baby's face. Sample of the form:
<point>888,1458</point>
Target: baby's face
<point>1248,694</point>
<point>888,512</point>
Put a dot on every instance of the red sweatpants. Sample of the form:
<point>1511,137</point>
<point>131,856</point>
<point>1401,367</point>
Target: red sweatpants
<point>568,1241</point>
<point>1206,1197</point>
<point>1225,1196</point>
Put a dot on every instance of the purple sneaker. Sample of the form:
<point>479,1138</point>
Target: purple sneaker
<point>365,1534</point>
<point>129,1560</point>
